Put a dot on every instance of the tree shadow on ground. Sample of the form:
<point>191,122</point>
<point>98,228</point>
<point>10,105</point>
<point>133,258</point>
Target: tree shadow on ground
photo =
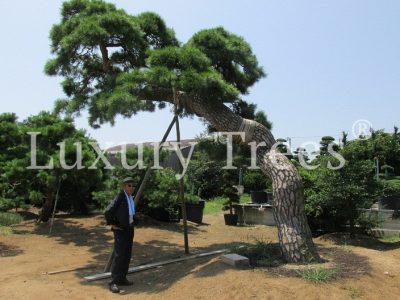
<point>360,240</point>
<point>28,215</point>
<point>346,263</point>
<point>99,240</point>
<point>7,250</point>
<point>147,222</point>
<point>68,231</point>
<point>162,278</point>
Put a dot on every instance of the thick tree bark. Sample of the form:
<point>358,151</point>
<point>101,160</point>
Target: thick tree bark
<point>294,233</point>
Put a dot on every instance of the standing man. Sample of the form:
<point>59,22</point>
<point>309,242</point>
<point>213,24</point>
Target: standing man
<point>119,214</point>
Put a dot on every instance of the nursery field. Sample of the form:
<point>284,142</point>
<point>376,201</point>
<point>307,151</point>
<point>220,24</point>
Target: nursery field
<point>362,268</point>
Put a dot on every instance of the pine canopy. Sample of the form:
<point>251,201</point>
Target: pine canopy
<point>115,63</point>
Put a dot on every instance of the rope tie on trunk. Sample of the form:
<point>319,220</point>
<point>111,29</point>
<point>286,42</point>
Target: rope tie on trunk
<point>248,127</point>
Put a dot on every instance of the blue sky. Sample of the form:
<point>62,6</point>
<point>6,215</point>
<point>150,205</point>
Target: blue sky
<point>329,63</point>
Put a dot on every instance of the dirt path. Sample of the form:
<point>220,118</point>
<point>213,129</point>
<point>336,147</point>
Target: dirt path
<point>365,270</point>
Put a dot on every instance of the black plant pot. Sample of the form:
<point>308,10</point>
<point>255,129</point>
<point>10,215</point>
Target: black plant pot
<point>259,197</point>
<point>194,211</point>
<point>170,214</point>
<point>231,220</point>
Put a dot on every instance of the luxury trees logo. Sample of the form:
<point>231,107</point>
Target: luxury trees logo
<point>274,155</point>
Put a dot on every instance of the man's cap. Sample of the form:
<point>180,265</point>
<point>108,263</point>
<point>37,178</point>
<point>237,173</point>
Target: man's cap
<point>128,180</point>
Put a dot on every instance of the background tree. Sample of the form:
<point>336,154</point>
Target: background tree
<point>20,185</point>
<point>114,63</point>
<point>344,138</point>
<point>334,197</point>
<point>12,159</point>
<point>112,184</point>
<point>205,177</point>
<point>75,185</point>
<point>324,145</point>
<point>300,151</point>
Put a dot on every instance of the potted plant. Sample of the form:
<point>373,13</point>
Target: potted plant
<point>233,197</point>
<point>194,208</point>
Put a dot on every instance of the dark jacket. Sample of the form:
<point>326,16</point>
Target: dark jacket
<point>117,212</point>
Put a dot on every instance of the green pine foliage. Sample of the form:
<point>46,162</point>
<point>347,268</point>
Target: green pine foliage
<point>114,63</point>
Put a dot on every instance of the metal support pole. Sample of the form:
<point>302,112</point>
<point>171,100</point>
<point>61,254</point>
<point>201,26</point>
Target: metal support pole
<point>181,183</point>
<point>182,197</point>
<point>376,161</point>
<point>55,205</point>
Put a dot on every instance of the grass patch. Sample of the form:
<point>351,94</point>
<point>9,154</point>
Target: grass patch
<point>7,218</point>
<point>216,204</point>
<point>390,239</point>
<point>245,198</point>
<point>317,275</point>
<point>261,254</point>
<point>344,245</point>
<point>5,230</point>
<point>354,292</point>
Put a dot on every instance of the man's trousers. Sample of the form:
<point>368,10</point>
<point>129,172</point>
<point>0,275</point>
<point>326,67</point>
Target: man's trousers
<point>123,240</point>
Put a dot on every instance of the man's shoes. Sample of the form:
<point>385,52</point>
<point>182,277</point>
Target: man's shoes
<point>114,288</point>
<point>125,282</point>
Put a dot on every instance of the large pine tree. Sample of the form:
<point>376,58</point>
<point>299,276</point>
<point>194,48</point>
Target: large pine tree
<point>115,63</point>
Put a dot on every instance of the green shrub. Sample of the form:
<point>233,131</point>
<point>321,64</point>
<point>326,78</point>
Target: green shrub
<point>36,198</point>
<point>255,180</point>
<point>233,197</point>
<point>7,218</point>
<point>6,204</point>
<point>163,189</point>
<point>391,188</point>
<point>334,198</point>
<point>317,275</point>
<point>190,198</point>
<point>205,178</point>
<point>369,220</point>
<point>103,198</point>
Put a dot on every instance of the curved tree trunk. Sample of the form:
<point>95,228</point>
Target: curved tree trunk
<point>294,233</point>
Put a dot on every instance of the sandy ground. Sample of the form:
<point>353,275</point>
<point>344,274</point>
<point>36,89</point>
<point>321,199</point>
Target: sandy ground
<point>366,269</point>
